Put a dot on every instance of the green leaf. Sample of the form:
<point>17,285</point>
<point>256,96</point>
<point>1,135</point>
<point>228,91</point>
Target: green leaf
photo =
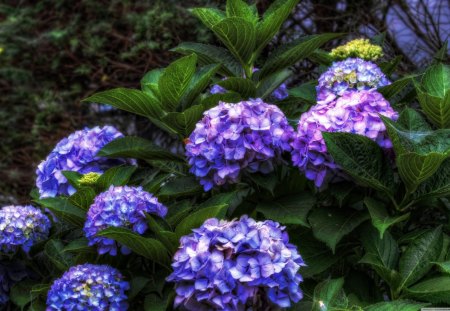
<point>136,148</point>
<point>444,266</point>
<point>130,100</point>
<point>209,54</point>
<point>83,198</point>
<point>184,122</point>
<point>291,53</point>
<point>389,67</point>
<point>238,8</point>
<point>273,18</point>
<point>331,225</point>
<point>436,80</point>
<point>396,87</point>
<point>412,120</point>
<point>78,246</point>
<point>196,219</point>
<point>149,82</point>
<point>437,109</point>
<point>20,293</point>
<point>292,209</point>
<point>209,17</point>
<point>265,181</point>
<point>64,210</point>
<point>435,290</point>
<point>329,294</point>
<point>116,176</point>
<point>73,178</point>
<point>418,257</point>
<point>175,80</point>
<point>181,186</point>
<point>362,159</point>
<point>396,305</point>
<point>437,185</point>
<point>239,37</point>
<point>245,87</point>
<point>137,284</point>
<point>199,82</point>
<point>54,250</point>
<point>147,247</point>
<point>380,217</point>
<point>271,83</point>
<point>306,92</point>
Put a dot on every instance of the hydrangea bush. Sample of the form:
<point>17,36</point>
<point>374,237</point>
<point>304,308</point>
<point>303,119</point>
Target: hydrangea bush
<point>349,211</point>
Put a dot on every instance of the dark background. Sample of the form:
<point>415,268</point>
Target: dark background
<point>53,53</point>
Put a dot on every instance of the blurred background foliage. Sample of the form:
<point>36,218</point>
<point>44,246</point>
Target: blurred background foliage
<point>55,52</point>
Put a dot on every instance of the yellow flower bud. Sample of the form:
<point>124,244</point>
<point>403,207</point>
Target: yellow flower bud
<point>361,48</point>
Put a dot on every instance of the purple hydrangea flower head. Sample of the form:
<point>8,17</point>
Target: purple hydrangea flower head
<point>90,288</point>
<point>76,153</point>
<point>10,273</point>
<point>249,136</point>
<point>354,112</point>
<point>22,227</point>
<point>352,74</point>
<point>120,206</point>
<point>236,265</point>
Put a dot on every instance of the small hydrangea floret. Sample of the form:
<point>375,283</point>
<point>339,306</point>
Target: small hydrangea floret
<point>76,153</point>
<point>236,265</point>
<point>355,112</point>
<point>89,287</point>
<point>22,227</point>
<point>358,48</point>
<point>120,206</point>
<point>249,137</point>
<point>352,74</point>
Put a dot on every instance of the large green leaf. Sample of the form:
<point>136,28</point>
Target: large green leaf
<point>238,8</point>
<point>271,83</point>
<point>239,37</point>
<point>180,186</point>
<point>436,80</point>
<point>149,82</point>
<point>115,176</point>
<point>437,109</point>
<point>329,294</point>
<point>291,53</point>
<point>362,159</point>
<point>175,80</point>
<point>245,87</point>
<point>64,210</point>
<point>209,16</point>
<point>197,218</point>
<point>306,92</point>
<point>20,293</point>
<point>435,290</point>
<point>83,198</point>
<point>54,250</point>
<point>147,247</point>
<point>184,122</point>
<point>412,120</point>
<point>396,305</point>
<point>437,185</point>
<point>209,54</point>
<point>199,82</point>
<point>136,148</point>
<point>419,256</point>
<point>330,225</point>
<point>444,266</point>
<point>380,217</point>
<point>396,87</point>
<point>292,209</point>
<point>130,100</point>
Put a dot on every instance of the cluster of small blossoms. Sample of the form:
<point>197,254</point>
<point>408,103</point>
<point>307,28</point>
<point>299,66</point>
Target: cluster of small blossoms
<point>355,112</point>
<point>352,74</point>
<point>123,207</point>
<point>10,273</point>
<point>22,227</point>
<point>89,288</point>
<point>360,48</point>
<point>248,136</point>
<point>236,265</point>
<point>77,153</point>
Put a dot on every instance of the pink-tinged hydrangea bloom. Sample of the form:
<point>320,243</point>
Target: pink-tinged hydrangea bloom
<point>352,74</point>
<point>76,153</point>
<point>249,136</point>
<point>89,287</point>
<point>354,112</point>
<point>22,227</point>
<point>123,207</point>
<point>236,265</point>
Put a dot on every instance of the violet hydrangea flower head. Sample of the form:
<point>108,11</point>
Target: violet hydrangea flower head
<point>352,74</point>
<point>236,265</point>
<point>77,153</point>
<point>89,287</point>
<point>10,274</point>
<point>354,112</point>
<point>120,206</point>
<point>249,137</point>
<point>22,227</point>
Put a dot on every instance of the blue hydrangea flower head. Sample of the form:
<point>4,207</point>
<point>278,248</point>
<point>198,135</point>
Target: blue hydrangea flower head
<point>249,137</point>
<point>89,287</point>
<point>77,153</point>
<point>22,227</point>
<point>352,74</point>
<point>236,265</point>
<point>120,206</point>
<point>10,273</point>
<point>354,112</point>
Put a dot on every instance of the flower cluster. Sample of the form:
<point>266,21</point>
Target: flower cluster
<point>10,273</point>
<point>123,207</point>
<point>360,48</point>
<point>22,227</point>
<point>250,136</point>
<point>355,112</point>
<point>89,179</point>
<point>89,287</point>
<point>236,265</point>
<point>352,74</point>
<point>77,153</point>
